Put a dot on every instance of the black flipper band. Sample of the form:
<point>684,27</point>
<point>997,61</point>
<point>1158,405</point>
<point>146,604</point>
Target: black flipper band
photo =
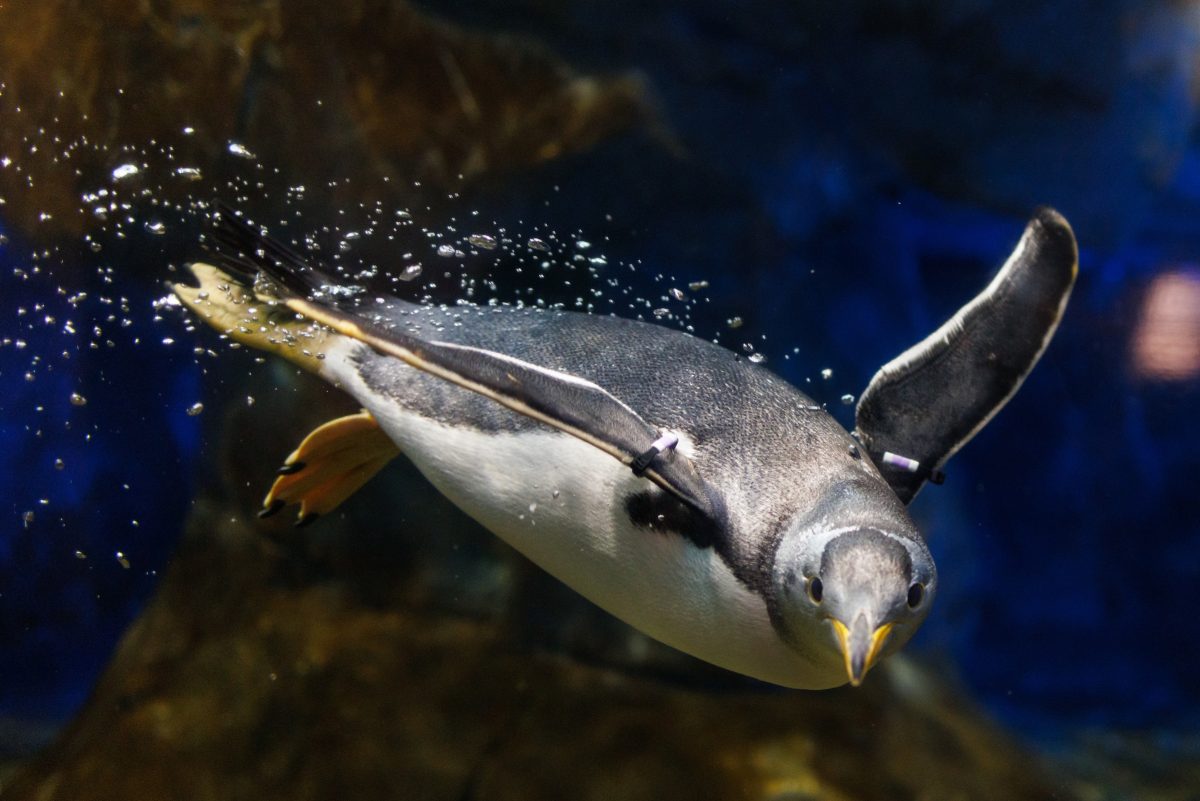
<point>666,442</point>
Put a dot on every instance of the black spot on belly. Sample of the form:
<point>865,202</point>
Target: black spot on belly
<point>656,510</point>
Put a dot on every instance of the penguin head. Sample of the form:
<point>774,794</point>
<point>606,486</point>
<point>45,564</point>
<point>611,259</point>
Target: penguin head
<point>850,596</point>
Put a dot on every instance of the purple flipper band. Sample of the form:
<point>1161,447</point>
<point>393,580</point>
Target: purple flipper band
<point>665,442</point>
<point>902,462</point>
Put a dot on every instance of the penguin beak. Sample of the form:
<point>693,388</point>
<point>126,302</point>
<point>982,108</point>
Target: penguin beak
<point>860,645</point>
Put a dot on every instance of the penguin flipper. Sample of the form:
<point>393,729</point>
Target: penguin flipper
<point>330,464</point>
<point>563,401</point>
<point>924,405</point>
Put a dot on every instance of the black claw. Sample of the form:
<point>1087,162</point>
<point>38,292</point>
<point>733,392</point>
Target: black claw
<point>267,511</point>
<point>306,520</point>
<point>288,469</point>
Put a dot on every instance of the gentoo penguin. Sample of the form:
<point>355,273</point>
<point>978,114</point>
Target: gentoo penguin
<point>691,493</point>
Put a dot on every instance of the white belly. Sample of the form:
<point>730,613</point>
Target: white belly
<point>559,501</point>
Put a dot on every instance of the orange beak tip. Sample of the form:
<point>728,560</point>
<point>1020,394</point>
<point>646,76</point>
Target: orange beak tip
<point>860,649</point>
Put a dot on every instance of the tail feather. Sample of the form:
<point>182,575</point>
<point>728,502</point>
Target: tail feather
<point>231,297</point>
<point>246,249</point>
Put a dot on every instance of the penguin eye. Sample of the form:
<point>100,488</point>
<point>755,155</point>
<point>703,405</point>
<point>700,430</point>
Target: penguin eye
<point>815,590</point>
<point>916,593</point>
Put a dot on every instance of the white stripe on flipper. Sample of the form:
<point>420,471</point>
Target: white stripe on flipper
<point>349,327</point>
<point>555,374</point>
<point>954,326</point>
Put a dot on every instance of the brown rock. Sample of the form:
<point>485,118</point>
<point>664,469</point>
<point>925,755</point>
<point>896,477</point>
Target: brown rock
<point>243,681</point>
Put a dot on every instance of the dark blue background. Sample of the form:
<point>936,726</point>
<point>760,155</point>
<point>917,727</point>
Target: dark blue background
<point>845,177</point>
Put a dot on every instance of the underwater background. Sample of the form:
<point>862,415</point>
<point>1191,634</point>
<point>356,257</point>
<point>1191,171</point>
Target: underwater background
<point>843,176</point>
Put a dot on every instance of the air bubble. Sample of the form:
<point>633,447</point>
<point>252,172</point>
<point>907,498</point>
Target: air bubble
<point>847,399</point>
<point>195,409</point>
<point>125,171</point>
<point>483,241</point>
<point>410,272</point>
<point>445,251</point>
<point>78,400</point>
<point>238,149</point>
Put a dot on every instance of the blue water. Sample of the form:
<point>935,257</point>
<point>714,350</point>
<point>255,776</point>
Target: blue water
<point>114,474</point>
<point>845,182</point>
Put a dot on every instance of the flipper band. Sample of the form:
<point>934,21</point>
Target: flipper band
<point>912,466</point>
<point>664,443</point>
<point>902,462</point>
